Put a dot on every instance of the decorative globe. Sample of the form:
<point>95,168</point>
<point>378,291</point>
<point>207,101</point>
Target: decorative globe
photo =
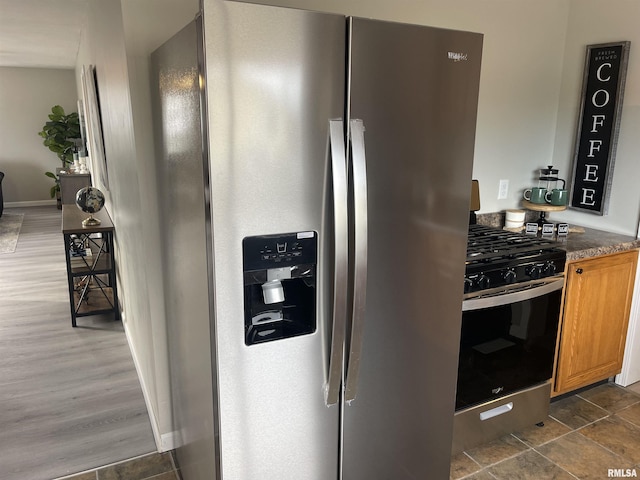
<point>90,200</point>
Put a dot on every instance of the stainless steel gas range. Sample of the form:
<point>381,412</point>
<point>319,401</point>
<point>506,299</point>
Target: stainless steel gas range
<point>511,308</point>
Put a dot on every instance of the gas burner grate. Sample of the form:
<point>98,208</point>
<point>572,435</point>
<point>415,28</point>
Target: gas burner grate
<point>489,243</point>
<point>496,258</point>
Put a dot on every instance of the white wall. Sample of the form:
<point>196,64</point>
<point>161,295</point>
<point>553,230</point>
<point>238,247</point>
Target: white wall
<point>118,39</point>
<point>26,98</point>
<point>592,22</point>
<point>103,45</point>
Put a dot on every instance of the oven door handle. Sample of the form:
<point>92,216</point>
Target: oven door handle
<point>516,295</point>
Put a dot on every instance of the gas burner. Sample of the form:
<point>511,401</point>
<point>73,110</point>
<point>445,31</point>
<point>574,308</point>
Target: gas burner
<point>489,241</point>
<point>496,257</point>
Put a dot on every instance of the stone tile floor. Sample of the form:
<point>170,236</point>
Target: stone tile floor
<point>585,435</point>
<point>155,466</point>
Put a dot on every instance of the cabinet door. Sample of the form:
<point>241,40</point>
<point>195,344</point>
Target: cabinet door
<point>596,315</point>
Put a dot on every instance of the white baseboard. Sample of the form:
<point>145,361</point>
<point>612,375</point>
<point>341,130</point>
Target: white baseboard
<point>170,441</point>
<point>153,419</point>
<point>30,203</point>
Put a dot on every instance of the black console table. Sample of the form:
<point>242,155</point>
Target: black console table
<point>91,270</point>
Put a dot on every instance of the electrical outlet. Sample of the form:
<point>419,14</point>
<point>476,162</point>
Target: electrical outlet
<point>503,189</point>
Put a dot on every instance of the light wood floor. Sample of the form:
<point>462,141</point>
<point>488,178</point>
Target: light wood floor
<point>70,399</point>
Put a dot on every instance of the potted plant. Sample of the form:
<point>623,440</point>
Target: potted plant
<point>60,134</point>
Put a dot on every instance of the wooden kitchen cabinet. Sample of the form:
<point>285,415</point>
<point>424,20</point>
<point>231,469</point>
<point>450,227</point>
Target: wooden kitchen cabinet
<point>597,302</point>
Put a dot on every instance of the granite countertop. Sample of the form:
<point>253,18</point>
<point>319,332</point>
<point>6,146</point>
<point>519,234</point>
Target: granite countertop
<point>594,242</point>
<point>582,242</point>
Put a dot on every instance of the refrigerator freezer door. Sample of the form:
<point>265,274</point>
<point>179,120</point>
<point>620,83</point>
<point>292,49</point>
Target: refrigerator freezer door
<point>176,103</point>
<point>275,77</point>
<point>416,90</point>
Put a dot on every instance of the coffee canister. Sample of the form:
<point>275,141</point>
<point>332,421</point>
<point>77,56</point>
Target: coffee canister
<point>514,218</point>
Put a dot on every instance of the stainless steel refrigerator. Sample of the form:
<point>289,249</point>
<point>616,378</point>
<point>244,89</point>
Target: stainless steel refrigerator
<point>315,236</point>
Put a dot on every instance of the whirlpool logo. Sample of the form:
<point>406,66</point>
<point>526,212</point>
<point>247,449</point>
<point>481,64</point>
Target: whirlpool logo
<point>457,56</point>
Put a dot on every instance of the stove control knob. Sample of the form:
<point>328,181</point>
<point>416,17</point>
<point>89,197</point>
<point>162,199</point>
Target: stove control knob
<point>509,276</point>
<point>468,285</point>
<point>549,269</point>
<point>483,281</point>
<point>534,271</point>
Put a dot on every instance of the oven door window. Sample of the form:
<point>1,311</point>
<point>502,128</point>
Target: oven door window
<point>506,348</point>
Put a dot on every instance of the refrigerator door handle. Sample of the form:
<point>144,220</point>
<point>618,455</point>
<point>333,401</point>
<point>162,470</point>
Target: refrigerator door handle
<point>341,259</point>
<point>359,169</point>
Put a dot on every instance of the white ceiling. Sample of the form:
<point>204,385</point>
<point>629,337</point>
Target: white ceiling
<point>40,33</point>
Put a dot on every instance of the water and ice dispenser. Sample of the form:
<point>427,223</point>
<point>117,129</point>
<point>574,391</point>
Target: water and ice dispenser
<point>279,286</point>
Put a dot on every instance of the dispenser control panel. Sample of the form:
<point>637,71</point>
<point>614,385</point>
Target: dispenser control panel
<point>279,286</point>
<point>274,251</point>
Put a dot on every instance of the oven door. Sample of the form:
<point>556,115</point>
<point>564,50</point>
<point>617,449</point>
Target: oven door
<point>508,340</point>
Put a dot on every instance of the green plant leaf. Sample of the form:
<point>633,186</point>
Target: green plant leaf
<point>60,132</point>
<point>57,110</point>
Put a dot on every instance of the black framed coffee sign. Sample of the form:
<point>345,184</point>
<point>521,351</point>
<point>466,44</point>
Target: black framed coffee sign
<point>605,72</point>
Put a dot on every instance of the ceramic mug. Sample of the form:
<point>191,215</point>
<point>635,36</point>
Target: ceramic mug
<point>536,194</point>
<point>557,197</point>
